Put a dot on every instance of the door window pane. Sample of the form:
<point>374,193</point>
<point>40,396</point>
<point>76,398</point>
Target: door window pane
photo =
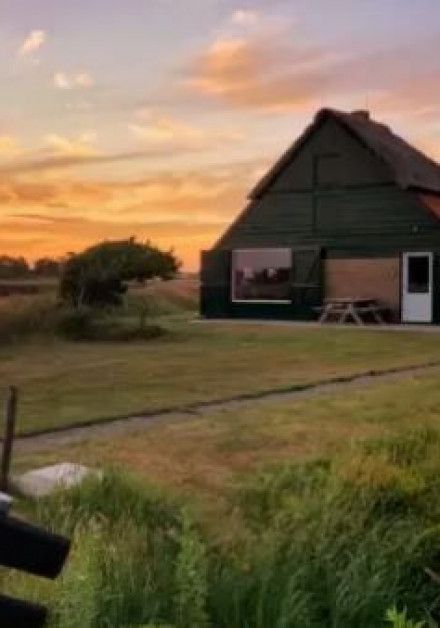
<point>261,275</point>
<point>418,275</point>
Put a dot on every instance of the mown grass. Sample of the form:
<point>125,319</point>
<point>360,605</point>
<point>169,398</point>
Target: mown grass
<point>202,456</point>
<point>63,383</point>
<point>328,542</point>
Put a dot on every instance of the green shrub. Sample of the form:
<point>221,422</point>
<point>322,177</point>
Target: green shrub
<point>98,275</point>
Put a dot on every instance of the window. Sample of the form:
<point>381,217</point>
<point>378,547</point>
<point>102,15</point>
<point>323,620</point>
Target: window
<point>261,275</point>
<point>418,274</point>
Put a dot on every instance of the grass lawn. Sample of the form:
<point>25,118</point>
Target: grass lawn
<point>65,383</point>
<point>205,455</point>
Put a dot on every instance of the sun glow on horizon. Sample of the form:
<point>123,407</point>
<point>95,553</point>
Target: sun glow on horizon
<point>162,120</point>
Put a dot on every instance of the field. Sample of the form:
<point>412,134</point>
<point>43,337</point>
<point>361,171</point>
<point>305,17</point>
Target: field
<point>320,512</point>
<point>64,383</point>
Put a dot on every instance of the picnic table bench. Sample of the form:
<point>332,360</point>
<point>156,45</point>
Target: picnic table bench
<point>356,309</point>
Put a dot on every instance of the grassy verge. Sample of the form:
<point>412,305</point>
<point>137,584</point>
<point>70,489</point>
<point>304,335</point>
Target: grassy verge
<point>326,542</point>
<point>66,383</point>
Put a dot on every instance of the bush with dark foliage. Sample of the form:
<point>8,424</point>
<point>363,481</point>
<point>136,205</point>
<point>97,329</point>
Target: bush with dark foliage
<point>98,276</point>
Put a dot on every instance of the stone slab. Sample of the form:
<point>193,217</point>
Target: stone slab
<point>45,480</point>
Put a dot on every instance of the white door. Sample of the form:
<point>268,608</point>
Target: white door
<point>417,271</point>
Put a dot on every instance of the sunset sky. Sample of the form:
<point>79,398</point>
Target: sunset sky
<point>155,117</point>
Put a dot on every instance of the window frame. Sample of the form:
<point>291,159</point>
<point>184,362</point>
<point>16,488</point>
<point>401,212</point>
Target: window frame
<point>266,301</point>
<point>409,284</point>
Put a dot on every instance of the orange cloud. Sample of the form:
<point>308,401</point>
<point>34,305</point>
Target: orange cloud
<point>81,146</point>
<point>10,146</point>
<point>164,129</point>
<point>187,211</point>
<point>209,193</point>
<point>41,161</point>
<point>261,72</point>
<point>35,235</point>
<point>159,129</point>
<point>267,70</point>
<point>161,134</point>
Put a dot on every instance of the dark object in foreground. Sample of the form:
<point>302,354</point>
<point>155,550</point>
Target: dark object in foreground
<point>33,550</point>
<point>18,614</point>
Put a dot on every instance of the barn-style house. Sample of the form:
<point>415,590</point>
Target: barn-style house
<point>350,210</point>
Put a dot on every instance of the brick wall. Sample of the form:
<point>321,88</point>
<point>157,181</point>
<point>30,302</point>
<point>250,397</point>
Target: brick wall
<point>365,278</point>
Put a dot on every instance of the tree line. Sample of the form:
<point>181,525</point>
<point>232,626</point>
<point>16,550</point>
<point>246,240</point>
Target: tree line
<point>20,268</point>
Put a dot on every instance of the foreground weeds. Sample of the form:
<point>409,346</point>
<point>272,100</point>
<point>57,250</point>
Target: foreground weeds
<point>351,543</point>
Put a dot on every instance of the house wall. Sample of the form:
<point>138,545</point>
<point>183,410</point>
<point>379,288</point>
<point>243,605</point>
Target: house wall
<point>376,217</point>
<point>370,278</point>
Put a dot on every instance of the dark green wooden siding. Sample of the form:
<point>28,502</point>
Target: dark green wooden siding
<point>357,165</point>
<point>215,283</point>
<point>380,214</point>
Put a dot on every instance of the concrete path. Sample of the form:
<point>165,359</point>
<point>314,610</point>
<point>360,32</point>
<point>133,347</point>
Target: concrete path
<point>401,327</point>
<point>126,425</point>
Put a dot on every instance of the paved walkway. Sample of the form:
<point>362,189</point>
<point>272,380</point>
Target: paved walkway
<point>122,426</point>
<point>415,328</point>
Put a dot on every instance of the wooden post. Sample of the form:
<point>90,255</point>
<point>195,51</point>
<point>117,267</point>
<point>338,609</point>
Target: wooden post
<point>11,415</point>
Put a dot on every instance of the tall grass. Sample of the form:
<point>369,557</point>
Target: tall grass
<point>339,544</point>
<point>159,298</point>
<point>43,316</point>
<point>25,316</point>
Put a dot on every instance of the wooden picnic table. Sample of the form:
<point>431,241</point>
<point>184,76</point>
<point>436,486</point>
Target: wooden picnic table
<point>357,309</point>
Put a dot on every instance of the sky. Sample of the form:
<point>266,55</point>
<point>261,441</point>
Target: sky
<point>155,118</point>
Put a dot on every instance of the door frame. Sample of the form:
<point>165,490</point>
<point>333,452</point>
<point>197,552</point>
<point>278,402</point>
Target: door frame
<point>403,256</point>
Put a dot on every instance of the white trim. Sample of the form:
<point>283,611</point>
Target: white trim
<point>263,248</point>
<point>406,316</point>
<point>276,301</point>
<point>261,301</point>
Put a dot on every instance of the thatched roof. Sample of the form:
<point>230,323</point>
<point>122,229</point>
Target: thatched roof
<point>411,168</point>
